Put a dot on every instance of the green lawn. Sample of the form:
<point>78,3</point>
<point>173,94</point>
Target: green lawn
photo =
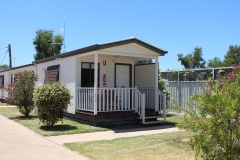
<point>33,123</point>
<point>68,126</point>
<point>175,118</point>
<point>4,104</point>
<point>165,146</point>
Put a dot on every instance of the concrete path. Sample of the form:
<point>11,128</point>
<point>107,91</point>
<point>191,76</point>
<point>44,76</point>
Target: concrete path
<point>7,106</point>
<point>109,135</point>
<point>20,143</point>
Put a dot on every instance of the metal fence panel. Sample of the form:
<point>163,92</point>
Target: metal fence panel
<point>180,92</point>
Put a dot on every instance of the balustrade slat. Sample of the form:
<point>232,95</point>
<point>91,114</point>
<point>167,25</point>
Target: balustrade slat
<point>132,99</point>
<point>110,99</point>
<point>103,100</point>
<point>118,99</point>
<point>115,99</point>
<point>122,99</point>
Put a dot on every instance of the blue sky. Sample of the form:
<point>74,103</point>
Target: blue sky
<point>175,26</point>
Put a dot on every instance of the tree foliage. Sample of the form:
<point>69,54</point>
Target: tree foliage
<point>215,63</point>
<point>232,56</point>
<point>194,60</point>
<point>4,66</point>
<point>216,124</point>
<point>52,101</point>
<point>20,92</point>
<point>43,44</point>
<point>162,86</point>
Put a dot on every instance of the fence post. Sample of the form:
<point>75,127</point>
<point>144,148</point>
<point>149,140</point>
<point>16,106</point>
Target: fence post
<point>143,108</point>
<point>179,92</point>
<point>213,74</point>
<point>95,102</point>
<point>158,102</point>
<point>164,106</point>
<point>77,99</point>
<point>136,99</point>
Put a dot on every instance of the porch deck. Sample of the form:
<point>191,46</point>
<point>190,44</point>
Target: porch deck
<point>109,106</point>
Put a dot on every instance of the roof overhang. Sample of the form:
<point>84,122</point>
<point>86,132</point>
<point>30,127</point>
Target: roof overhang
<point>18,67</point>
<point>97,47</point>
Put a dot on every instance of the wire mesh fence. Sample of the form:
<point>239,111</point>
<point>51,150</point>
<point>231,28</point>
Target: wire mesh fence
<point>195,74</point>
<point>183,84</point>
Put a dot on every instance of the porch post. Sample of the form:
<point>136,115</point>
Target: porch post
<point>95,81</point>
<point>156,85</point>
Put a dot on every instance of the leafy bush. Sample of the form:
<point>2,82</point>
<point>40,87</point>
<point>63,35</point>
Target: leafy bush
<point>216,124</point>
<point>20,92</point>
<point>162,86</point>
<point>52,101</point>
<point>9,89</point>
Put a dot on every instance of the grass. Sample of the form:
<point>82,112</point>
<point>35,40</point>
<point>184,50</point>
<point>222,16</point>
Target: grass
<point>68,126</point>
<point>175,118</point>
<point>165,146</point>
<point>4,104</point>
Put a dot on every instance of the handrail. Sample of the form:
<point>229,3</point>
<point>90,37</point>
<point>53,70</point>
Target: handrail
<point>160,92</point>
<point>140,108</point>
<point>162,103</point>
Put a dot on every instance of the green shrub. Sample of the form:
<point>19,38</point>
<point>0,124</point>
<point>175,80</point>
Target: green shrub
<point>162,86</point>
<point>216,125</point>
<point>20,92</point>
<point>52,101</point>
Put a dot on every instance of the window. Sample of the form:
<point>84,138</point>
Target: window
<point>87,74</point>
<point>52,74</point>
<point>1,81</point>
<point>15,77</point>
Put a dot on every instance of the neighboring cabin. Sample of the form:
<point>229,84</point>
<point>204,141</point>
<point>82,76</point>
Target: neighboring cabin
<point>6,76</point>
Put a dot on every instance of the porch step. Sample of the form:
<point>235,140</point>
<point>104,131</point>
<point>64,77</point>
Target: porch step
<point>150,117</point>
<point>153,122</point>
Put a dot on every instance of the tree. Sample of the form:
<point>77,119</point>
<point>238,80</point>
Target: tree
<point>4,66</point>
<point>215,63</point>
<point>43,44</point>
<point>194,60</point>
<point>232,56</point>
<point>20,92</point>
<point>215,124</point>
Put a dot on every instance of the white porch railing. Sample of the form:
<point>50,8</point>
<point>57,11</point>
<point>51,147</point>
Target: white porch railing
<point>120,99</point>
<point>140,104</point>
<point>85,99</point>
<point>108,99</point>
<point>162,104</point>
<point>150,98</point>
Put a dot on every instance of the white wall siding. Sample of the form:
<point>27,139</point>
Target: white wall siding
<point>145,76</point>
<point>67,74</point>
<point>6,81</point>
<point>131,49</point>
<point>109,69</point>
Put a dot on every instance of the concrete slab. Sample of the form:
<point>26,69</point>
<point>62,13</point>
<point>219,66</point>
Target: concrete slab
<point>18,142</point>
<point>110,135</point>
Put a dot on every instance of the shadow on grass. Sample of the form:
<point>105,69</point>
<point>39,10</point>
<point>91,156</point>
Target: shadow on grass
<point>59,127</point>
<point>129,127</point>
<point>18,118</point>
<point>137,128</point>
